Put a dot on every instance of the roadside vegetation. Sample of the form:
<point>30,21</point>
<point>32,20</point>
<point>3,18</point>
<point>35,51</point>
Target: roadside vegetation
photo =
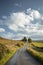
<point>24,39</point>
<point>36,50</point>
<point>8,48</point>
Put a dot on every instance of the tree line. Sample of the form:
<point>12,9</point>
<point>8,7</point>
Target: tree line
<point>27,40</point>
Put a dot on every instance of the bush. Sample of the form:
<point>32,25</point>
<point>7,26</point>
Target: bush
<point>29,40</point>
<point>24,39</point>
<point>18,44</point>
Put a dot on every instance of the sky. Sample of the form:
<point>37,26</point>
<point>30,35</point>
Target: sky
<point>19,18</point>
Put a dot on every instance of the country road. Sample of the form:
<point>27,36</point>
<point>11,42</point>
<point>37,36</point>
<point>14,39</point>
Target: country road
<point>21,57</point>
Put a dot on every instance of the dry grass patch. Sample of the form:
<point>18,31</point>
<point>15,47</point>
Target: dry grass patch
<point>35,53</point>
<point>8,46</point>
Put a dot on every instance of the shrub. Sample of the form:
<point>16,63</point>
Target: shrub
<point>18,44</point>
<point>24,39</point>
<point>29,40</point>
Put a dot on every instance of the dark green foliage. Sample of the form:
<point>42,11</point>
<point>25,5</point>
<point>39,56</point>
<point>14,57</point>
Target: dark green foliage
<point>29,40</point>
<point>24,39</point>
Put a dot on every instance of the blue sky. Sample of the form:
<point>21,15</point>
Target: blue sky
<point>19,18</point>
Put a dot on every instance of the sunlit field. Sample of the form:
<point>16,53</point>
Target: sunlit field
<point>8,48</point>
<point>36,50</point>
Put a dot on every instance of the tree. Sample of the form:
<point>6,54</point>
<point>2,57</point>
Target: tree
<point>29,40</point>
<point>24,39</point>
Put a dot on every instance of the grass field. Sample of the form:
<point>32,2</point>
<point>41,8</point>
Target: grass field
<point>38,44</point>
<point>37,54</point>
<point>8,48</point>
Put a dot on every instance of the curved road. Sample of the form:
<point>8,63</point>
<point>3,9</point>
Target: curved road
<point>22,58</point>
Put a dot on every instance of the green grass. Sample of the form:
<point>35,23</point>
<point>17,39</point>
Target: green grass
<point>35,53</point>
<point>38,44</point>
<point>5,58</point>
<point>8,56</point>
<point>12,46</point>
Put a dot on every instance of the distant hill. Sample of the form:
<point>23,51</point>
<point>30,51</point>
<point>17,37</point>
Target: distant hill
<point>37,40</point>
<point>2,38</point>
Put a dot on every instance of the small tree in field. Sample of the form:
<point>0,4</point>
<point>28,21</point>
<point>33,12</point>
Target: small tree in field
<point>29,40</point>
<point>24,39</point>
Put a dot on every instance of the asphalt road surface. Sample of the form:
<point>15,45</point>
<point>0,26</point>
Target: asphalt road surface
<point>21,57</point>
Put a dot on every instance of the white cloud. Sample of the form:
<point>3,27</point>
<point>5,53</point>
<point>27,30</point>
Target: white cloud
<point>34,13</point>
<point>2,30</point>
<point>42,17</point>
<point>19,19</point>
<point>4,17</point>
<point>23,22</point>
<point>13,27</point>
<point>8,35</point>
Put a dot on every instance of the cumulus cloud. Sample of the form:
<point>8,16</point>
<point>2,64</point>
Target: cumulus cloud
<point>13,27</point>
<point>19,20</point>
<point>34,13</point>
<point>2,30</point>
<point>23,22</point>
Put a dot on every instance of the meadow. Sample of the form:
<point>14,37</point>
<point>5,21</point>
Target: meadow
<point>36,50</point>
<point>8,48</point>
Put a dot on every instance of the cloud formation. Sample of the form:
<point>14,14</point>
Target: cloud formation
<point>34,13</point>
<point>2,30</point>
<point>21,21</point>
<point>8,35</point>
<point>28,23</point>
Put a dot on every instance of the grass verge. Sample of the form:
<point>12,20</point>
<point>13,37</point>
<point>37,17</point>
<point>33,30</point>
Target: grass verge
<point>12,52</point>
<point>36,54</point>
<point>7,57</point>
